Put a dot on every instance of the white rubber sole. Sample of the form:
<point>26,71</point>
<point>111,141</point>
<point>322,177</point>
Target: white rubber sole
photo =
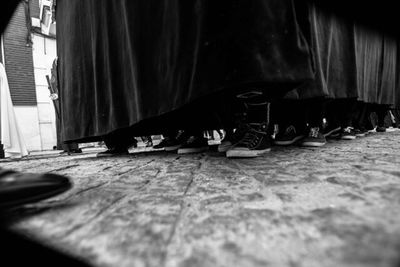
<point>289,142</point>
<point>348,137</point>
<point>232,153</point>
<point>191,150</point>
<point>313,144</point>
<point>172,148</point>
<point>98,155</point>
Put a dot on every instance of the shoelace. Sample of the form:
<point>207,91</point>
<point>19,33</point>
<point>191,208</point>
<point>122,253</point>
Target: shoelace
<point>314,132</point>
<point>251,138</point>
<point>348,129</point>
<point>289,129</point>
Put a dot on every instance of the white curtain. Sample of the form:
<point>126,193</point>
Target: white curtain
<point>11,136</point>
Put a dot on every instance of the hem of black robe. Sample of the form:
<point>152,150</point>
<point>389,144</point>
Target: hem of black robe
<point>150,126</point>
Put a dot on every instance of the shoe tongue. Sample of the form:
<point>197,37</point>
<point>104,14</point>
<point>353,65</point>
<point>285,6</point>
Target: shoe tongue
<point>290,129</point>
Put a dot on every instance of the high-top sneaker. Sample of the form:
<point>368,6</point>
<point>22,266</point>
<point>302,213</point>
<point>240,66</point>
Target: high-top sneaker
<point>231,139</point>
<point>255,142</point>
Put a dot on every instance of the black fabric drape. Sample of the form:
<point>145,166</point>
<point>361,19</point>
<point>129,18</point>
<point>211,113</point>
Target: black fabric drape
<point>125,61</point>
<point>368,50</point>
<point>376,56</point>
<point>332,45</point>
<point>387,86</point>
<point>397,86</point>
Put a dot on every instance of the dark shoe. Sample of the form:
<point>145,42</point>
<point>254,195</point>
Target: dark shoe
<point>75,151</point>
<point>135,144</point>
<point>348,134</point>
<point>231,139</point>
<point>163,143</point>
<point>226,144</point>
<point>113,153</point>
<point>255,142</point>
<point>169,144</point>
<point>288,137</point>
<point>360,132</point>
<point>314,139</point>
<point>177,141</point>
<point>195,144</point>
<point>380,129</point>
<point>17,189</point>
<point>331,131</point>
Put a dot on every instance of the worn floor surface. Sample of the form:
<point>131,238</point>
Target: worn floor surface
<point>334,206</point>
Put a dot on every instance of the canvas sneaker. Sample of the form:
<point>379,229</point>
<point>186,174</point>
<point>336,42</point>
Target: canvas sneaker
<point>168,144</point>
<point>288,137</point>
<point>255,142</point>
<point>360,132</point>
<point>331,131</point>
<point>232,139</point>
<point>314,139</point>
<point>195,144</point>
<point>348,133</point>
<point>380,129</point>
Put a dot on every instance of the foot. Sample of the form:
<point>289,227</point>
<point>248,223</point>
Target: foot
<point>17,189</point>
<point>288,137</point>
<point>163,143</point>
<point>348,133</point>
<point>331,131</point>
<point>168,144</point>
<point>360,132</point>
<point>381,129</point>
<point>232,139</point>
<point>225,145</point>
<point>314,139</point>
<point>195,144</point>
<point>75,151</point>
<point>112,153</point>
<point>149,144</point>
<point>255,142</point>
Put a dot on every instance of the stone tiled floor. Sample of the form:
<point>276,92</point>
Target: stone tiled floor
<point>334,206</point>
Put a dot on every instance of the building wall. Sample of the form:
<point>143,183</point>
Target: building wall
<point>35,8</point>
<point>26,67</point>
<point>19,60</point>
<point>44,53</point>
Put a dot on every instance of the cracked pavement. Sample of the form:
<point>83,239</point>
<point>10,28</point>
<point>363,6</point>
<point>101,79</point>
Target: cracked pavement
<point>338,205</point>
